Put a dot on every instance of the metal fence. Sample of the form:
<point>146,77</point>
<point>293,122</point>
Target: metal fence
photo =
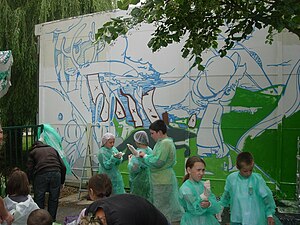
<point>16,146</point>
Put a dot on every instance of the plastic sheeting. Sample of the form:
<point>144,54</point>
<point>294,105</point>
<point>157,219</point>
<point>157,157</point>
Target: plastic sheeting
<point>6,61</point>
<point>51,137</point>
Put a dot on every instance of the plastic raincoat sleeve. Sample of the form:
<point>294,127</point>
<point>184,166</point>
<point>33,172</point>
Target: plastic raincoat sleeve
<point>134,166</point>
<point>160,155</point>
<point>107,160</point>
<point>267,197</point>
<point>225,199</point>
<point>193,202</point>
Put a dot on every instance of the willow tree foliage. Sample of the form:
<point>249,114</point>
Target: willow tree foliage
<point>202,21</point>
<point>17,22</point>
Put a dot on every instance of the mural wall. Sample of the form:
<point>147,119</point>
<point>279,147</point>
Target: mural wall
<point>248,100</point>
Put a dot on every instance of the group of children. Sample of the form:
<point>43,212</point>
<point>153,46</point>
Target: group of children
<point>152,177</point>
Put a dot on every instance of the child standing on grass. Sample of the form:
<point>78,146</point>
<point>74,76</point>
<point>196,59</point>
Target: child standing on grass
<point>109,160</point>
<point>250,199</point>
<point>198,201</point>
<point>139,173</point>
<point>18,201</point>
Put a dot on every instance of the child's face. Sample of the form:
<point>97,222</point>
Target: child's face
<point>110,143</point>
<point>155,135</point>
<point>246,169</point>
<point>197,171</point>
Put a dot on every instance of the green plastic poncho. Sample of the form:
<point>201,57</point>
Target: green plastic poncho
<point>110,165</point>
<point>6,61</point>
<point>163,179</point>
<point>250,199</point>
<point>189,198</point>
<point>51,137</point>
<point>139,175</point>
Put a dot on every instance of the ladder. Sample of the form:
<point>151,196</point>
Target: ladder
<point>87,166</point>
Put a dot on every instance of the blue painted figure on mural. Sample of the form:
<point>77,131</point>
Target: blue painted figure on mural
<point>139,172</point>
<point>109,160</point>
<point>218,96</point>
<point>163,179</point>
<point>246,193</point>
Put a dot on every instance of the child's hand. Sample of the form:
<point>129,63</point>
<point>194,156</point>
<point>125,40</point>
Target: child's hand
<point>142,154</point>
<point>133,150</point>
<point>118,155</point>
<point>271,221</point>
<point>129,157</point>
<point>205,204</point>
<point>207,188</point>
<point>8,218</point>
<point>219,215</point>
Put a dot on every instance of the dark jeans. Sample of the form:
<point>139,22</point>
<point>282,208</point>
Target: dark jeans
<point>47,182</point>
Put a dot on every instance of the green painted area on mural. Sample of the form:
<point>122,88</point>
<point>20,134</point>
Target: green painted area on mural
<point>235,123</point>
<point>274,162</point>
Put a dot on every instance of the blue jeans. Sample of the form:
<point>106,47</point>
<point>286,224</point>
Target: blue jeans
<point>47,182</point>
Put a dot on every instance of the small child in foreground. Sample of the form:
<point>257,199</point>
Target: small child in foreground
<point>18,200</point>
<point>39,217</point>
<point>250,199</point>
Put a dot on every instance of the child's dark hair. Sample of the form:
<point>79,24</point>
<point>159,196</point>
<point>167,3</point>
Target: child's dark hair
<point>244,157</point>
<point>190,163</point>
<point>101,185</point>
<point>17,183</point>
<point>39,217</point>
<point>158,125</point>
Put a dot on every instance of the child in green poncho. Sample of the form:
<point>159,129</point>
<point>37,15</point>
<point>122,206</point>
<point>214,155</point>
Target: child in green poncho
<point>139,173</point>
<point>109,160</point>
<point>163,180</point>
<point>198,201</point>
<point>250,199</point>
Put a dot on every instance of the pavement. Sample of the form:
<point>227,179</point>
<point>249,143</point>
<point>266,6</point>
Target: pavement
<point>71,206</point>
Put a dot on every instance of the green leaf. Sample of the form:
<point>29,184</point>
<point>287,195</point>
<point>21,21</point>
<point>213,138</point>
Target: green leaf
<point>201,67</point>
<point>249,29</point>
<point>134,2</point>
<point>222,52</point>
<point>123,4</point>
<point>135,12</point>
<point>258,25</point>
<point>185,53</point>
<point>150,43</point>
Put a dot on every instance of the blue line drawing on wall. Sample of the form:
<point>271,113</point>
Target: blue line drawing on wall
<point>124,88</point>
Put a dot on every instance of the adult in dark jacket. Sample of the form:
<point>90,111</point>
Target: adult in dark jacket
<point>48,173</point>
<point>126,209</point>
